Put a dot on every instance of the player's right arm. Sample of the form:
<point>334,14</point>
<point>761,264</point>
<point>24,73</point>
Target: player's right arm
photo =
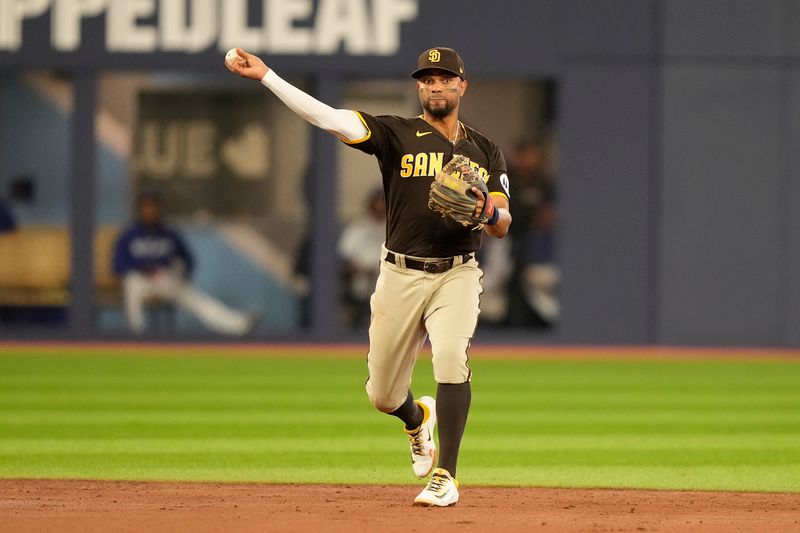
<point>343,123</point>
<point>122,261</point>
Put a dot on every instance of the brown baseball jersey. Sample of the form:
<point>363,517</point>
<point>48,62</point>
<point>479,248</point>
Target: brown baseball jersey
<point>410,152</point>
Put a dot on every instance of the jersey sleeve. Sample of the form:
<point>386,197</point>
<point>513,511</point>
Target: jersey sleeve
<point>123,261</point>
<point>376,138</point>
<point>498,176</point>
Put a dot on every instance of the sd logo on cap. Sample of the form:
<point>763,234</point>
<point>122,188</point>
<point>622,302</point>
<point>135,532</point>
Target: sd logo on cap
<point>440,58</point>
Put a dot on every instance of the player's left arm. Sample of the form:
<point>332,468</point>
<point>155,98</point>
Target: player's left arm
<point>500,228</point>
<point>184,256</point>
<point>497,204</point>
<point>500,217</point>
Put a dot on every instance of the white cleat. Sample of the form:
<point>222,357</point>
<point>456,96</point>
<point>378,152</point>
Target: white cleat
<point>441,491</point>
<point>423,447</point>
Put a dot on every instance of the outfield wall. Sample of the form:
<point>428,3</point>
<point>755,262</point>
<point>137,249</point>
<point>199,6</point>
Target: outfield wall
<point>678,131</point>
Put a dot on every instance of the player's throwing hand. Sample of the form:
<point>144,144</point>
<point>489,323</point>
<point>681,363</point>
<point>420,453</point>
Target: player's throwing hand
<point>247,65</point>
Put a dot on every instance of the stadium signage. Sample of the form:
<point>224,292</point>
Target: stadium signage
<point>321,27</point>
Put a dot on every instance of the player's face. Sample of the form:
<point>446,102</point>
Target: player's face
<point>149,213</point>
<point>440,92</point>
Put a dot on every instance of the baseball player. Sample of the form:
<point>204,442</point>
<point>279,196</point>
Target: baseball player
<point>429,283</point>
<point>153,261</point>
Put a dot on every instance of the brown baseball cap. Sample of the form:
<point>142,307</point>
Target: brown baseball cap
<point>440,58</point>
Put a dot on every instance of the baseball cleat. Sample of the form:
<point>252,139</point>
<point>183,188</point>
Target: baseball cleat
<point>441,490</point>
<point>423,447</point>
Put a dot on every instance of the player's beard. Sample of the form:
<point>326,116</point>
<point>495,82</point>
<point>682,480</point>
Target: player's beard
<point>439,111</point>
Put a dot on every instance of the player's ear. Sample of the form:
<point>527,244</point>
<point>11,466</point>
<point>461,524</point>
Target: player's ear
<point>463,84</point>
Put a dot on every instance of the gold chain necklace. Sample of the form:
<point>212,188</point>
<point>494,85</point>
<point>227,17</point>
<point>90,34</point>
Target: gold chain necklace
<point>458,130</point>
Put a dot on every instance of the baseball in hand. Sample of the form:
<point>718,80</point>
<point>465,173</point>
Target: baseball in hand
<point>231,56</point>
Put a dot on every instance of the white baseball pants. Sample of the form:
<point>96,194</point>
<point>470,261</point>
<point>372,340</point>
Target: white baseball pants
<point>169,286</point>
<point>408,306</point>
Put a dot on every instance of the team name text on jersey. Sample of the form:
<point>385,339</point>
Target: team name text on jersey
<point>428,164</point>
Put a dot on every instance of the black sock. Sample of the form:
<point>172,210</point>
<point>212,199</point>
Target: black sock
<point>452,407</point>
<point>409,412</point>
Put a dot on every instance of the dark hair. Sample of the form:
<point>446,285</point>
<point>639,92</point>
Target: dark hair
<point>147,195</point>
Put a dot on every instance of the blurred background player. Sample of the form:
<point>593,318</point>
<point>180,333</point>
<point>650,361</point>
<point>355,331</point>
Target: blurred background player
<point>360,250</point>
<point>533,286</point>
<point>154,263</point>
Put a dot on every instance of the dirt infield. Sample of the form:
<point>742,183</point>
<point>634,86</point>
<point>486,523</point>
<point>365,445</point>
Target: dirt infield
<point>64,506</point>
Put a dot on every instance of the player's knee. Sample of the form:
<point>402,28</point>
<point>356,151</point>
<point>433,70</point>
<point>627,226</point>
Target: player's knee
<point>453,376</point>
<point>385,402</point>
<point>450,361</point>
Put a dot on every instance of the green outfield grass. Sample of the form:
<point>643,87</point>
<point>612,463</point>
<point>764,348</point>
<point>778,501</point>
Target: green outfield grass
<point>710,424</point>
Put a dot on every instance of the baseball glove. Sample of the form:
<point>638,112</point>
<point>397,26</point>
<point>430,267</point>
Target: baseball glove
<point>451,193</point>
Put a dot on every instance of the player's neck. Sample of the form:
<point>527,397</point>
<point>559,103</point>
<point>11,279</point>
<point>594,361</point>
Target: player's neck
<point>448,126</point>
